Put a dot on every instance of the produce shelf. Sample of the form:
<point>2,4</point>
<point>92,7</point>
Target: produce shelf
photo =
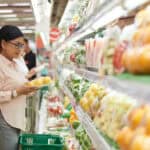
<point>96,138</point>
<point>87,26</point>
<point>137,90</point>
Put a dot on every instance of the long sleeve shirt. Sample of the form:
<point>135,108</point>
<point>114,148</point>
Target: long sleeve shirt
<point>22,65</point>
<point>13,110</point>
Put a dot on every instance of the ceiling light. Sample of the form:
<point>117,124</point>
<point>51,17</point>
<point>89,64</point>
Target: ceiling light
<point>31,27</point>
<point>26,27</point>
<point>22,27</point>
<point>7,16</point>
<point>20,4</point>
<point>26,19</point>
<point>27,10</point>
<point>27,31</point>
<point>6,11</point>
<point>12,19</point>
<point>2,5</point>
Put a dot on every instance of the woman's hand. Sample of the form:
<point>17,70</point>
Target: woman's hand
<point>25,90</point>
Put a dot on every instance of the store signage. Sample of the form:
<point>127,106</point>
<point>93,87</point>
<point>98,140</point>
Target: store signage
<point>54,34</point>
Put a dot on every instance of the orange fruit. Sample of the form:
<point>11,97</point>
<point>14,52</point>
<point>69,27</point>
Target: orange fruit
<point>137,143</point>
<point>141,36</point>
<point>140,131</point>
<point>124,137</point>
<point>144,59</point>
<point>135,117</point>
<point>147,143</point>
<point>147,123</point>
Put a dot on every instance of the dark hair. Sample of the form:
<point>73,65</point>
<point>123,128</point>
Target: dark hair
<point>26,40</point>
<point>9,32</point>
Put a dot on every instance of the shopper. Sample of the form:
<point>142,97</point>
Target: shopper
<point>30,57</point>
<point>12,88</point>
<point>23,67</point>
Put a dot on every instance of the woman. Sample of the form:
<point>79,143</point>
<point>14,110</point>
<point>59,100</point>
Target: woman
<point>12,88</point>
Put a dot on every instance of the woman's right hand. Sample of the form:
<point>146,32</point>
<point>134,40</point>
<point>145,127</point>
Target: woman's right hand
<point>25,90</point>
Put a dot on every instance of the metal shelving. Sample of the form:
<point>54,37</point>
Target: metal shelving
<point>87,27</point>
<point>96,138</point>
<point>139,91</point>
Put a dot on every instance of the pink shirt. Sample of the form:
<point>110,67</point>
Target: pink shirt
<point>13,110</point>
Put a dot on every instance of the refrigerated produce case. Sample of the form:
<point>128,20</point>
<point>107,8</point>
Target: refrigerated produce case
<point>120,95</point>
<point>135,87</point>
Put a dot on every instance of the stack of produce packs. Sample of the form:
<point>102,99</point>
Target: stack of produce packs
<point>79,131</point>
<point>136,58</point>
<point>75,55</point>
<point>136,134</point>
<point>90,102</point>
<point>61,119</point>
<point>108,50</point>
<point>77,85</point>
<point>100,51</point>
<point>54,118</point>
<point>94,52</point>
<point>110,116</point>
<point>107,108</point>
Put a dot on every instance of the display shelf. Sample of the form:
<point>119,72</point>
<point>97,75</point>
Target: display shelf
<point>96,138</point>
<point>137,90</point>
<point>85,28</point>
<point>98,19</point>
<point>87,74</point>
<point>69,94</point>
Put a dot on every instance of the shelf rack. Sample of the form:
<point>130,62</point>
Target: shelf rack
<point>137,90</point>
<point>87,27</point>
<point>96,138</point>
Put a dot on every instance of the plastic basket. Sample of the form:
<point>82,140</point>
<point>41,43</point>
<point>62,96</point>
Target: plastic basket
<point>41,142</point>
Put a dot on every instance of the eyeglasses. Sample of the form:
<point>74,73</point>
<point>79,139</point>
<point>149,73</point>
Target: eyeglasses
<point>18,45</point>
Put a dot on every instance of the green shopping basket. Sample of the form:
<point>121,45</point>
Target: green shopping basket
<point>41,142</point>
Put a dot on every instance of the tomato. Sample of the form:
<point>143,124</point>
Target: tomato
<point>73,57</point>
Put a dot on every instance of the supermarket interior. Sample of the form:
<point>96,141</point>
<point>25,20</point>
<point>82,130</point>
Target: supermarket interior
<point>74,74</point>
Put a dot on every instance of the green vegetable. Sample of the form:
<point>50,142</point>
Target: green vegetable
<point>76,124</point>
<point>78,86</point>
<point>66,115</point>
<point>69,107</point>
